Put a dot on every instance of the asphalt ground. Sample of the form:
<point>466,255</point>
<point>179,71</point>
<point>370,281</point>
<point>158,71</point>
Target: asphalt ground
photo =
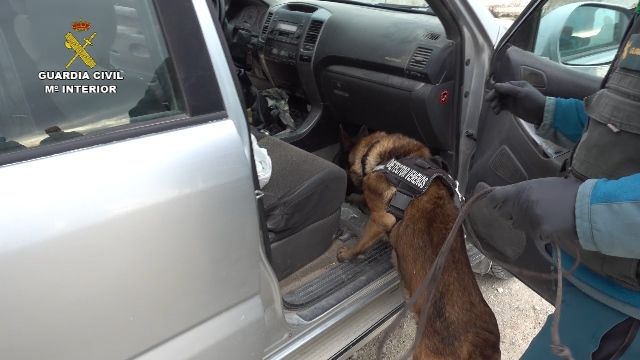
<point>520,313</point>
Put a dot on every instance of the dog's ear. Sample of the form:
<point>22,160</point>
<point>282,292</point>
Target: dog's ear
<point>439,161</point>
<point>347,142</point>
<point>362,133</point>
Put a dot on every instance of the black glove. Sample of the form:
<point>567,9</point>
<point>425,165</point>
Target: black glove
<point>520,98</point>
<point>542,208</point>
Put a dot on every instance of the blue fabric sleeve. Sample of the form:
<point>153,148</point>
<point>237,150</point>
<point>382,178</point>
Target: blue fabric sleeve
<point>564,121</point>
<point>608,216</point>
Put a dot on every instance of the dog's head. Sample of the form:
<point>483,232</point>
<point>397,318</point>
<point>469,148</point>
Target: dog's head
<point>369,151</point>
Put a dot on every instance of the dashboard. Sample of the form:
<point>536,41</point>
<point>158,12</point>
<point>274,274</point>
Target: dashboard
<point>387,69</point>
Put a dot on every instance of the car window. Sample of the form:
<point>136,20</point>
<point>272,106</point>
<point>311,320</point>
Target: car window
<point>583,35</point>
<point>69,68</point>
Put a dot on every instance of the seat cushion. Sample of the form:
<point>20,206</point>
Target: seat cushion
<point>303,189</point>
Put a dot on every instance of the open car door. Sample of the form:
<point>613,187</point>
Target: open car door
<point>564,50</point>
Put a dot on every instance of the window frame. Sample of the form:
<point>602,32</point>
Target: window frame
<point>197,87</point>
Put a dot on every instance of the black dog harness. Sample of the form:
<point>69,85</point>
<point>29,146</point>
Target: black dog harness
<point>411,176</point>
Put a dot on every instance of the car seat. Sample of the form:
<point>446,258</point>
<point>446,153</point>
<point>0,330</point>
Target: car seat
<point>302,204</point>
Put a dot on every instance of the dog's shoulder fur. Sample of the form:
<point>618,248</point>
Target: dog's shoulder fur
<point>461,325</point>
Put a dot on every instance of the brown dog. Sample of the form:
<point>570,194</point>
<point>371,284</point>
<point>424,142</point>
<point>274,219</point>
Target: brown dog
<point>460,323</point>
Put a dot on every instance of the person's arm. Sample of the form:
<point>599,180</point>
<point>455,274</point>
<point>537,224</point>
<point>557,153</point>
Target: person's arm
<point>608,216</point>
<point>563,121</point>
<point>558,120</point>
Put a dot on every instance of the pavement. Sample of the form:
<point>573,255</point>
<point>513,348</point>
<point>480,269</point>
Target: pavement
<point>520,313</point>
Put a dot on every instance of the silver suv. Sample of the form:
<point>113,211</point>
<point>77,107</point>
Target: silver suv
<point>133,223</point>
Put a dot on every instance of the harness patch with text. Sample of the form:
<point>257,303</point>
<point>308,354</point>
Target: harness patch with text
<point>412,177</point>
<point>415,178</point>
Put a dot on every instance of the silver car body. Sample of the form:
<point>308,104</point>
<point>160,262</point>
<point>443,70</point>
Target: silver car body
<point>111,251</point>
<point>137,249</point>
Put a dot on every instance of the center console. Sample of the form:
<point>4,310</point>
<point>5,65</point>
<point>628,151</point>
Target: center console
<point>290,32</point>
<point>282,42</point>
<point>287,43</point>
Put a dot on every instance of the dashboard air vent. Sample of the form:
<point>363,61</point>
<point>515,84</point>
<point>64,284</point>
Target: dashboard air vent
<point>267,21</point>
<point>420,58</point>
<point>432,36</point>
<point>311,37</point>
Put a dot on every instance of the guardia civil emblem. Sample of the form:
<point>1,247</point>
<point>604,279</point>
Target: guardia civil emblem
<point>71,42</point>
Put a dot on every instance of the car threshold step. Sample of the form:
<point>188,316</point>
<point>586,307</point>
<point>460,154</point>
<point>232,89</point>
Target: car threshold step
<point>342,280</point>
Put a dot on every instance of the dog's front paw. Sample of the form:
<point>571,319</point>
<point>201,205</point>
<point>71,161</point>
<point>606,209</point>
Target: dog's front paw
<point>344,254</point>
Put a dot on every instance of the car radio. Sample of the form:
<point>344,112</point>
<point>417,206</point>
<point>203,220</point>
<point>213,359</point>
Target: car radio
<point>282,42</point>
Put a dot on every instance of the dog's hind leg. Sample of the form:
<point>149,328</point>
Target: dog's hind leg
<point>379,224</point>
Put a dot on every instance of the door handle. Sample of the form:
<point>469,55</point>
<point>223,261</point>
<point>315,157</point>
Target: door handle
<point>533,76</point>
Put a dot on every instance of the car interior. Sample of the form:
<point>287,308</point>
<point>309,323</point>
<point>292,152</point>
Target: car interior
<point>311,71</point>
<point>341,66</point>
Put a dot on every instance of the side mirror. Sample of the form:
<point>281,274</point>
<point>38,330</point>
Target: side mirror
<point>591,34</point>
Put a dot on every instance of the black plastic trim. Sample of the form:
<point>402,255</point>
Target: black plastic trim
<point>529,22</point>
<point>227,55</point>
<point>186,45</point>
<point>111,135</point>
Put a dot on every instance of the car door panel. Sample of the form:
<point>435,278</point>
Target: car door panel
<point>127,244</point>
<point>223,334</point>
<point>514,63</point>
<point>509,151</point>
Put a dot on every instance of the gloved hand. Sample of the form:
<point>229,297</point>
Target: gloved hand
<point>520,98</point>
<point>542,208</point>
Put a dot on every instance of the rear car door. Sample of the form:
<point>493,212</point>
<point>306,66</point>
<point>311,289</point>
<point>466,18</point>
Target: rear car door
<point>564,48</point>
<point>129,220</point>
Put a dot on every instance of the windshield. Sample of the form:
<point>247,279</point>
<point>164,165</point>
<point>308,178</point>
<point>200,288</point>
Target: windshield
<point>408,3</point>
<point>405,5</point>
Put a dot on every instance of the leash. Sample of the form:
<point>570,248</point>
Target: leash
<point>430,283</point>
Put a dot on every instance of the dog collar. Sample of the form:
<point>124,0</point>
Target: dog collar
<point>412,177</point>
<point>365,158</point>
